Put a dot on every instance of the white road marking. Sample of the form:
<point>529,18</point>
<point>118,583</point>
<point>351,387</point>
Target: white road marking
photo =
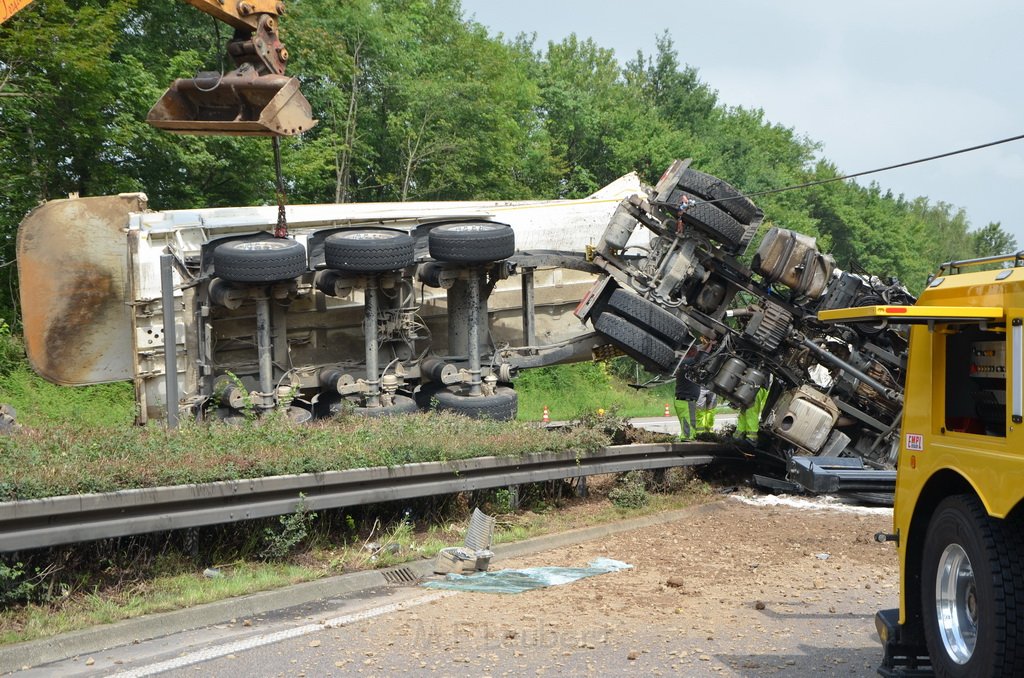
<point>271,638</point>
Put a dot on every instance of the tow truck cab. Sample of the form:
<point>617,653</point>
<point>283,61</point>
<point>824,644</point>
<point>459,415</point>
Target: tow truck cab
<point>960,479</point>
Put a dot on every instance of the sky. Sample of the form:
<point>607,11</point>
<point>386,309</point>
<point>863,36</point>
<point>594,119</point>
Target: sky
<point>875,82</point>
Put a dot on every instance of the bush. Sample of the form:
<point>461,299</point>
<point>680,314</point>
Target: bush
<point>294,528</point>
<point>630,491</point>
<point>12,350</point>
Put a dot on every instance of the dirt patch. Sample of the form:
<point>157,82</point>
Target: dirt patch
<point>734,589</point>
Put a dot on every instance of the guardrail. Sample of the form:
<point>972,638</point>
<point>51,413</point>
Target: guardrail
<point>39,523</point>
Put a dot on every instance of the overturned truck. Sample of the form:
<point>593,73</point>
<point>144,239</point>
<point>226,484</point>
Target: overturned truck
<point>676,296</point>
<point>381,309</point>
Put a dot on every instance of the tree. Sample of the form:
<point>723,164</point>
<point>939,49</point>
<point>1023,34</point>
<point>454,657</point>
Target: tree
<point>992,240</point>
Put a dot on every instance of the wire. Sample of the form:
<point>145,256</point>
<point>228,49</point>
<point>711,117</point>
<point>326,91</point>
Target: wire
<point>821,182</point>
<point>220,78</point>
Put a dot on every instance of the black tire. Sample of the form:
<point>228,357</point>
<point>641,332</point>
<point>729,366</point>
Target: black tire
<point>993,584</point>
<point>402,405</point>
<point>259,261</point>
<point>712,188</point>
<point>502,406</point>
<point>642,346</point>
<point>375,250</point>
<point>649,316</point>
<point>713,221</point>
<point>477,242</point>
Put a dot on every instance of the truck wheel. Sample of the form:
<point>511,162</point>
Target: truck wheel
<point>401,405</point>
<point>972,592</point>
<point>712,188</point>
<point>639,344</point>
<point>648,315</point>
<point>374,250</point>
<point>715,222</point>
<point>259,261</point>
<point>502,406</point>
<point>477,242</point>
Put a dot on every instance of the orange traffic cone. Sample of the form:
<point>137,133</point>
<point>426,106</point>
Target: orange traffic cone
<point>547,416</point>
<point>668,412</point>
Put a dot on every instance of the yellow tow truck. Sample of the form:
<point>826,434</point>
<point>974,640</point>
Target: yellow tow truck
<point>957,521</point>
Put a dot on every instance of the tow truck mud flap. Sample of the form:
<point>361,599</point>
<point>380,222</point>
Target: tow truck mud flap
<point>829,475</point>
<point>240,103</point>
<point>900,660</point>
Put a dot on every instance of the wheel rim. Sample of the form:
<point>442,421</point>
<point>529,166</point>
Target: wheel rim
<point>263,245</point>
<point>371,235</point>
<point>956,604</point>
<point>470,228</point>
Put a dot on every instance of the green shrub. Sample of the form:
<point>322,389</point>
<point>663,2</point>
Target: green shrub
<point>281,542</point>
<point>630,491</point>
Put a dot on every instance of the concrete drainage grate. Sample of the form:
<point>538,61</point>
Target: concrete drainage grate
<point>400,576</point>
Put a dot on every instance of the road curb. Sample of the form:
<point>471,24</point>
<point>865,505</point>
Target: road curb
<point>131,631</point>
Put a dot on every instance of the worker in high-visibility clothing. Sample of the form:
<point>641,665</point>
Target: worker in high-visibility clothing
<point>687,393</point>
<point>695,408</point>
<point>706,410</point>
<point>749,420</point>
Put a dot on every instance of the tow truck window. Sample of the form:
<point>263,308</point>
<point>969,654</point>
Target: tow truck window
<point>976,381</point>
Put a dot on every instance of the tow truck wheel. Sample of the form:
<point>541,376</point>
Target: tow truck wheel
<point>972,592</point>
<point>374,250</point>
<point>502,406</point>
<point>637,342</point>
<point>259,261</point>
<point>477,242</point>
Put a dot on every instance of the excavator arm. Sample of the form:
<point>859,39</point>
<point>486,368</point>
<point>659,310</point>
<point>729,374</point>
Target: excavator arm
<point>255,99</point>
<point>9,8</point>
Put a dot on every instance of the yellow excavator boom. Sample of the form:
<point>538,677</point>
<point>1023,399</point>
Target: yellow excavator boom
<point>256,99</point>
<point>9,8</point>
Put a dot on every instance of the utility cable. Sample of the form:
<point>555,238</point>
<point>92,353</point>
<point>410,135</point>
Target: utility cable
<point>830,180</point>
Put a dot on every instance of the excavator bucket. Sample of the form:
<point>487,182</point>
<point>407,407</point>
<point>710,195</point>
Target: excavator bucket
<point>240,103</point>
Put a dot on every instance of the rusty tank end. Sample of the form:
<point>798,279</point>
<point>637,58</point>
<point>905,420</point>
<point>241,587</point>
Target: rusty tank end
<point>72,256</point>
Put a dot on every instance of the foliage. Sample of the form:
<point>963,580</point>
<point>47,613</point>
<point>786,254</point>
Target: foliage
<point>15,587</point>
<point>12,350</point>
<point>579,391</point>
<point>292,530</point>
<point>70,458</point>
<point>630,491</point>
<point>39,403</point>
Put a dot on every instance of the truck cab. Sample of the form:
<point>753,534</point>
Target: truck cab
<point>960,479</point>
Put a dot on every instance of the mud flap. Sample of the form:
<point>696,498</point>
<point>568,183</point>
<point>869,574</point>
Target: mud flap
<point>901,659</point>
<point>240,103</point>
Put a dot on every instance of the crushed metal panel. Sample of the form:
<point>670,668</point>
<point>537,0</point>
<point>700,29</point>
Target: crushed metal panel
<point>72,267</point>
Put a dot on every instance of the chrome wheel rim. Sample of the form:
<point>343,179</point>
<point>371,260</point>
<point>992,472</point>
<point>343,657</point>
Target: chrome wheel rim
<point>956,604</point>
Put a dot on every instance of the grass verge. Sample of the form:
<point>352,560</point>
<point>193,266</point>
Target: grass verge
<point>70,459</point>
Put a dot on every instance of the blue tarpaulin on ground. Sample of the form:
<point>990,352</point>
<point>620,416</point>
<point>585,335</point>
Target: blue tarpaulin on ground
<point>526,579</point>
